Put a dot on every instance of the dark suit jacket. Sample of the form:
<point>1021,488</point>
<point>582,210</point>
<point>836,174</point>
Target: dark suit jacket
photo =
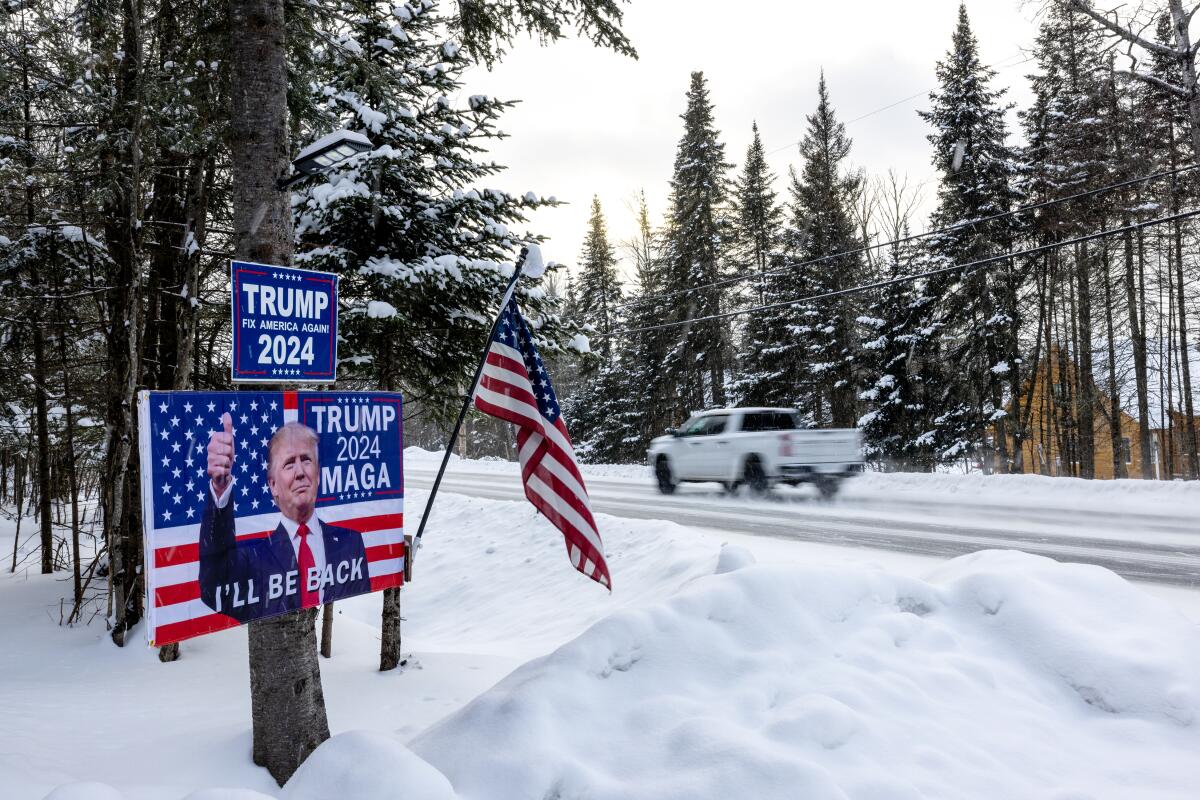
<point>226,562</point>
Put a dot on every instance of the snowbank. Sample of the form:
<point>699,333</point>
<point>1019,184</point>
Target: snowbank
<point>764,669</point>
<point>1003,676</point>
<point>361,765</point>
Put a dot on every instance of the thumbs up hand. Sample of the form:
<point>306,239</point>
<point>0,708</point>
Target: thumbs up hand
<point>221,455</point>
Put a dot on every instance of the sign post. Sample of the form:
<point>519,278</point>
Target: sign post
<point>284,324</point>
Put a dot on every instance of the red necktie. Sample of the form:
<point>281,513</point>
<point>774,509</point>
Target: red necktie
<point>309,598</point>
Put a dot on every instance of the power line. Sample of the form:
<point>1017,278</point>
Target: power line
<point>970,266</point>
<point>881,109</point>
<point>913,238</point>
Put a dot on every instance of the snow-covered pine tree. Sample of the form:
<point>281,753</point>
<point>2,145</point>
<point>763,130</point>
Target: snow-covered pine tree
<point>698,236</point>
<point>759,218</point>
<point>978,311</point>
<point>646,388</point>
<point>422,247</point>
<point>598,406</point>
<point>598,288</point>
<point>823,236</point>
<point>758,237</point>
<point>424,250</point>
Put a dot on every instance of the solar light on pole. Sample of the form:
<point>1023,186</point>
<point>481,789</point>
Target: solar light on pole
<point>325,153</point>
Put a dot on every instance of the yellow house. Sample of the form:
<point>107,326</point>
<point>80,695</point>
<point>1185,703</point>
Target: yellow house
<point>1172,445</point>
<point>1053,445</point>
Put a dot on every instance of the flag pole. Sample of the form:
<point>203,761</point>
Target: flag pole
<point>487,346</point>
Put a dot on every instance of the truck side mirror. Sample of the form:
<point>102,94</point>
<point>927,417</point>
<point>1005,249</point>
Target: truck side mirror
<point>673,432</point>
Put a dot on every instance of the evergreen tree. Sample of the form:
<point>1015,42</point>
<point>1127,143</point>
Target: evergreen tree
<point>596,405</point>
<point>421,247</point>
<point>598,290</point>
<point>645,383</point>
<point>978,314</point>
<point>823,238</point>
<point>758,216</point>
<point>628,401</point>
<point>697,240</point>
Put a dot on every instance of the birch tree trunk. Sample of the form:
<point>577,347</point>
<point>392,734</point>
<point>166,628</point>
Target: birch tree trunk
<point>1114,390</point>
<point>1188,448</point>
<point>287,703</point>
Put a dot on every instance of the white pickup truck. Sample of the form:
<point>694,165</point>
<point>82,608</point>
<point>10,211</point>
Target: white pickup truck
<point>757,447</point>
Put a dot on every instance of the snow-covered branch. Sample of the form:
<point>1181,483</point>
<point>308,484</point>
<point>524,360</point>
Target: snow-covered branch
<point>1154,80</point>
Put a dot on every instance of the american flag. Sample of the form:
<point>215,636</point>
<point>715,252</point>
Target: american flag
<point>175,430</point>
<point>514,386</point>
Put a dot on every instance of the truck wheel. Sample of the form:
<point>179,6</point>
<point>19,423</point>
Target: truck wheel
<point>828,487</point>
<point>662,471</point>
<point>754,476</point>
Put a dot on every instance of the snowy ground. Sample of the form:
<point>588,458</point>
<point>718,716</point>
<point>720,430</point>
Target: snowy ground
<point>721,666</point>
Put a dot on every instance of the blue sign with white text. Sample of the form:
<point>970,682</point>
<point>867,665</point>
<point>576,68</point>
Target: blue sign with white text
<point>284,324</point>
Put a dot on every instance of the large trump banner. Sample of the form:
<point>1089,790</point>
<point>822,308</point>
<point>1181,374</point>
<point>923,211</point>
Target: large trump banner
<point>255,504</point>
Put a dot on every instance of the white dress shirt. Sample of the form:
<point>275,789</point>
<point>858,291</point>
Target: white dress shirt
<point>316,535</point>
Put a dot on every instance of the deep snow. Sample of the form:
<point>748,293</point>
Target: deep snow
<point>756,669</point>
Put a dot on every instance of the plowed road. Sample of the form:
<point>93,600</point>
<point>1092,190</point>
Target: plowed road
<point>1159,547</point>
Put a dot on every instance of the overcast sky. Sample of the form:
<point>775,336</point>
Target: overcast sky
<point>592,122</point>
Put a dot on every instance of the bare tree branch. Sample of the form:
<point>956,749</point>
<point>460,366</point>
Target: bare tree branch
<point>1085,7</point>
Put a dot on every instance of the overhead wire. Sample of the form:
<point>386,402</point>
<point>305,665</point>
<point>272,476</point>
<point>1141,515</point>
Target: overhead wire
<point>643,301</point>
<point>970,266</point>
<point>997,65</point>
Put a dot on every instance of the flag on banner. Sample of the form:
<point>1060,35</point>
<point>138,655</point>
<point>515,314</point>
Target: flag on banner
<point>215,562</point>
<point>514,386</point>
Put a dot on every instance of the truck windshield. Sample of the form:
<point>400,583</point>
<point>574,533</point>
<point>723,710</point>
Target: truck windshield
<point>704,426</point>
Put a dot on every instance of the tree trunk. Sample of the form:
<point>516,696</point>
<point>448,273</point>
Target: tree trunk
<point>285,674</point>
<point>1138,334</point>
<point>1087,393</point>
<point>72,476</point>
<point>1114,423</point>
<point>1168,352</point>
<point>1189,431</point>
<point>43,446</point>
<point>287,703</point>
<point>121,168</point>
<point>19,491</point>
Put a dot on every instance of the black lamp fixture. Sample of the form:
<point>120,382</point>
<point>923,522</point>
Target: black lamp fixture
<point>325,153</point>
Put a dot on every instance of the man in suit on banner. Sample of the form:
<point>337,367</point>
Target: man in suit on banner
<point>302,563</point>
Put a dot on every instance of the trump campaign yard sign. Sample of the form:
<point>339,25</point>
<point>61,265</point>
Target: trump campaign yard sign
<point>256,504</point>
<point>284,324</point>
